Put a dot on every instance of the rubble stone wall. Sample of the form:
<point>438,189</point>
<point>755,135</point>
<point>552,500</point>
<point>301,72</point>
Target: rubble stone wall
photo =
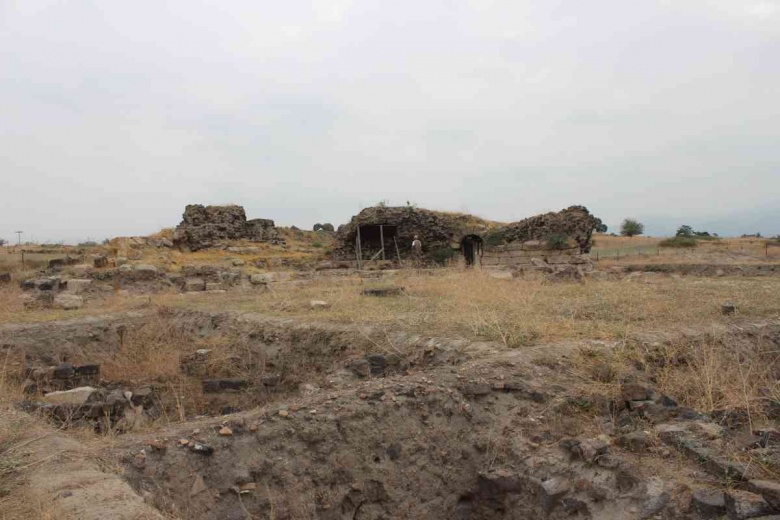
<point>205,227</point>
<point>575,223</point>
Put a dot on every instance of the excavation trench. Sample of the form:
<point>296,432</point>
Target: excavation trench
<point>220,415</point>
<point>229,416</point>
<point>174,366</point>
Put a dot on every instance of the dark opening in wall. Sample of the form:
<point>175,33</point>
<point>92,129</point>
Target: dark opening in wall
<point>471,247</point>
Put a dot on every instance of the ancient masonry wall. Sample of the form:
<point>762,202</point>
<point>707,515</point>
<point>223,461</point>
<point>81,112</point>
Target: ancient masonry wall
<point>522,255</point>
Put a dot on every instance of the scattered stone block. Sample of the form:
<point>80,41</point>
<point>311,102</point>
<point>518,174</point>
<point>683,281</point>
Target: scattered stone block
<point>552,491</point>
<point>78,285</point>
<point>475,388</point>
<point>238,262</point>
<point>728,309</point>
<point>711,430</point>
<point>590,449</point>
<point>654,505</point>
<point>708,503</point>
<point>741,505</point>
<point>261,279</point>
<point>384,291</point>
<point>63,371</point>
<point>318,304</point>
<point>77,396</point>
<point>360,367</point>
<point>224,385</point>
<point>214,287</point>
<point>68,301</point>
<point>194,285</point>
<point>200,448</point>
<point>768,489</point>
<point>5,278</point>
<point>637,442</point>
<point>635,392</point>
<point>500,275</point>
<point>81,270</point>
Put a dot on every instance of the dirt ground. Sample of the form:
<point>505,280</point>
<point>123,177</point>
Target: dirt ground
<point>641,391</point>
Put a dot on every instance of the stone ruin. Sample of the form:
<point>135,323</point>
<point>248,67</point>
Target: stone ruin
<point>204,227</point>
<point>547,242</point>
<point>574,223</point>
<point>437,231</point>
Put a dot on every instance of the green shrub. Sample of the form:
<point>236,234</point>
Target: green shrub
<point>557,241</point>
<point>440,255</point>
<point>316,244</point>
<point>679,241</point>
<point>493,239</point>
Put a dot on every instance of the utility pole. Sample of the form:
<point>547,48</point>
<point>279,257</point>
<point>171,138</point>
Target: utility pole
<point>18,237</point>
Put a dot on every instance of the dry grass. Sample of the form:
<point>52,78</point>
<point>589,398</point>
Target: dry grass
<point>516,312</point>
<point>646,250</point>
<point>15,431</point>
<point>12,309</point>
<point>619,242</point>
<point>711,371</point>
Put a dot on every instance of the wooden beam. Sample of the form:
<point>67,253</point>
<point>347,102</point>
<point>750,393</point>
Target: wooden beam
<point>397,252</point>
<point>382,239</point>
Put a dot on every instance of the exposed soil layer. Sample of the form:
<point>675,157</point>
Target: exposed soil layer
<point>360,423</point>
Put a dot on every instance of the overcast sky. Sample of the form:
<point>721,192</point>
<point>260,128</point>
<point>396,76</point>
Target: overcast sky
<point>116,114</point>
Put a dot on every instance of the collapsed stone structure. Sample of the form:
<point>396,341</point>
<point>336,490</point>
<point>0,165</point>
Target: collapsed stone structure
<point>574,223</point>
<point>386,233</point>
<point>397,226</point>
<point>204,227</point>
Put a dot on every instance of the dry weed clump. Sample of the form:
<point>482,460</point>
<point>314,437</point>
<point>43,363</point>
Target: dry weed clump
<point>715,372</point>
<point>163,352</point>
<point>10,302</point>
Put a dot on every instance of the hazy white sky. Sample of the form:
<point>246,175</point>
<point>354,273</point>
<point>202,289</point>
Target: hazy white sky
<point>114,115</point>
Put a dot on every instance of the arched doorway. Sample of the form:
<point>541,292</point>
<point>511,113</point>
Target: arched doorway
<point>471,247</point>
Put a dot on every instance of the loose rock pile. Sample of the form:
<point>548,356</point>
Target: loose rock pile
<point>72,395</point>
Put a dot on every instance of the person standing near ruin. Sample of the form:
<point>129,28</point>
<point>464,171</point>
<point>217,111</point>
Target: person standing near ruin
<point>416,250</point>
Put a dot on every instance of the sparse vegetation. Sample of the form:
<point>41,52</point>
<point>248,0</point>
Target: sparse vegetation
<point>557,241</point>
<point>441,255</point>
<point>679,241</point>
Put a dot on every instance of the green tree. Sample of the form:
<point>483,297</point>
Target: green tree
<point>600,226</point>
<point>631,227</point>
<point>685,231</point>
